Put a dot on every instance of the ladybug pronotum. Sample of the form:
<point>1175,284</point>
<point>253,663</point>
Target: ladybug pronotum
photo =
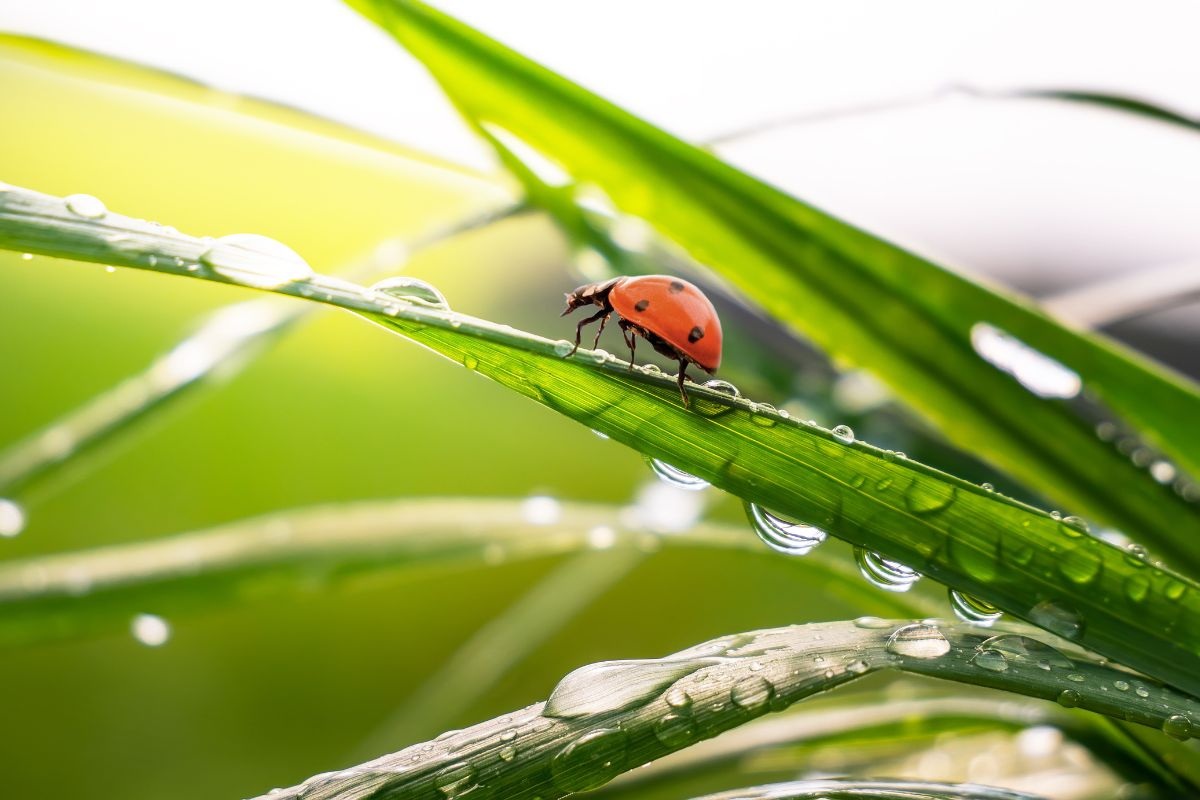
<point>671,314</point>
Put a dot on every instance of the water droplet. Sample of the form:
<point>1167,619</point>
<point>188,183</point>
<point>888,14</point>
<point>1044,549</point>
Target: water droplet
<point>971,609</point>
<point>1036,371</point>
<point>541,510</point>
<point>1142,691</point>
<point>1174,590</point>
<point>724,387</point>
<point>1058,619</point>
<point>471,362</point>
<point>614,685</point>
<point>599,355</point>
<point>507,753</point>
<point>12,518</point>
<point>110,270</point>
<point>1136,555</point>
<point>86,206</point>
<point>150,629</point>
<point>857,667</point>
<point>752,693</point>
<point>764,416</point>
<point>1023,648</point>
<point>677,477</point>
<point>675,730</point>
<point>416,292</point>
<point>927,497</point>
<point>1080,562</point>
<point>456,780</point>
<point>1068,698</point>
<point>679,699</point>
<point>1016,551</point>
<point>27,256</point>
<point>1177,726</point>
<point>590,761</point>
<point>600,434</point>
<point>885,573</point>
<point>1121,686</point>
<point>253,260</point>
<point>509,735</point>
<point>1056,515</point>
<point>1074,525</point>
<point>562,347</point>
<point>601,537</point>
<point>1075,677</point>
<point>991,660</point>
<point>873,623</point>
<point>987,487</point>
<point>784,536</point>
<point>844,434</point>
<point>1163,471</point>
<point>920,640</point>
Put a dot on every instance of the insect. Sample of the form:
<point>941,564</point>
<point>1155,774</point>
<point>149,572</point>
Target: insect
<point>671,314</point>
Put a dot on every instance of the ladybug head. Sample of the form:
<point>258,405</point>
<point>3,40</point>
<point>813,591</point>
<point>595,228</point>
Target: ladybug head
<point>588,294</point>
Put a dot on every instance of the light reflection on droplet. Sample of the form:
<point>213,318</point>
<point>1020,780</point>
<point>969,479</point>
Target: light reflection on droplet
<point>12,518</point>
<point>1036,371</point>
<point>150,629</point>
<point>541,510</point>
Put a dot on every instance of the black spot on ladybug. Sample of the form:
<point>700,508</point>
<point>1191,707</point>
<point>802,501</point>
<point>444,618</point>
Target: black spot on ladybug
<point>641,305</point>
<point>695,334</point>
<point>676,287</point>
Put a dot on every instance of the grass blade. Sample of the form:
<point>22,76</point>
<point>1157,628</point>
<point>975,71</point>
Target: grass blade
<point>846,289</point>
<point>92,591</point>
<point>846,789</point>
<point>624,714</point>
<point>1031,564</point>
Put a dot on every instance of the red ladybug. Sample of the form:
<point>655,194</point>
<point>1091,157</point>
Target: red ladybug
<point>671,314</point>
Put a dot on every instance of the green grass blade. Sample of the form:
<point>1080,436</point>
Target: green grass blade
<point>95,591</point>
<point>860,298</point>
<point>605,719</point>
<point>848,789</point>
<point>1022,560</point>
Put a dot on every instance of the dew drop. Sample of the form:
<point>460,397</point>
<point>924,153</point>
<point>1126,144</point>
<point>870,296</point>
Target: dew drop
<point>1080,561</point>
<point>873,623</point>
<point>885,573</point>
<point>1177,726</point>
<point>471,362</point>
<point>1121,686</point>
<point>1136,555</point>
<point>1068,698</point>
<point>844,434</point>
<point>253,260</point>
<point>541,510</point>
<point>86,206</point>
<point>676,477</point>
<point>27,256</point>
<point>679,699</point>
<point>614,685</point>
<point>150,629</point>
<point>507,753</point>
<point>1022,648</point>
<point>1074,524</point>
<point>927,497</point>
<point>724,387</point>
<point>1174,590</point>
<point>784,536</point>
<point>1058,619</point>
<point>1075,677</point>
<point>675,730</point>
<point>456,780</point>
<point>1163,471</point>
<point>562,347</point>
<point>752,693</point>
<point>1036,371</point>
<point>415,292</point>
<point>991,660</point>
<point>590,761</point>
<point>920,640</point>
<point>987,487</point>
<point>1142,691</point>
<point>971,609</point>
<point>12,518</point>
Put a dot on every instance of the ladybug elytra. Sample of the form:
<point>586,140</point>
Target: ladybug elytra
<point>671,314</point>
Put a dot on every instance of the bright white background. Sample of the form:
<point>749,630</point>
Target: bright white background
<point>1043,195</point>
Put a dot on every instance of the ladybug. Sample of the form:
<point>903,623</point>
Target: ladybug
<point>671,314</point>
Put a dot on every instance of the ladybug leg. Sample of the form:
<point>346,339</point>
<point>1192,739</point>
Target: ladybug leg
<point>603,322</point>
<point>579,328</point>
<point>683,365</point>
<point>630,340</point>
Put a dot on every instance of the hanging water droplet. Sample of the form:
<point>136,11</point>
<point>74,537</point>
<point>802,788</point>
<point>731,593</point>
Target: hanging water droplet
<point>844,434</point>
<point>456,780</point>
<point>885,573</point>
<point>86,206</point>
<point>991,660</point>
<point>1064,621</point>
<point>415,292</point>
<point>1137,587</point>
<point>12,518</point>
<point>1177,726</point>
<point>615,685</point>
<point>920,640</point>
<point>971,609</point>
<point>752,693</point>
<point>1022,648</point>
<point>676,477</point>
<point>590,761</point>
<point>784,536</point>
<point>150,629</point>
<point>253,260</point>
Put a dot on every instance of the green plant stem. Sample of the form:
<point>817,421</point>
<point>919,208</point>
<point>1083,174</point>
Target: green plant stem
<point>726,683</point>
<point>846,789</point>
